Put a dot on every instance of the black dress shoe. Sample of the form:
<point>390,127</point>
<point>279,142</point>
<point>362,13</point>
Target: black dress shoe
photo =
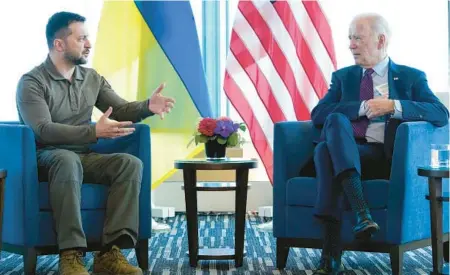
<point>329,265</point>
<point>365,228</point>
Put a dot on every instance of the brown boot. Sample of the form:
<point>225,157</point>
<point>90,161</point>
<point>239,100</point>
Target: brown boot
<point>71,263</point>
<point>113,262</point>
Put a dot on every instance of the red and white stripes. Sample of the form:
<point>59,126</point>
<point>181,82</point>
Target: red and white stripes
<point>279,65</point>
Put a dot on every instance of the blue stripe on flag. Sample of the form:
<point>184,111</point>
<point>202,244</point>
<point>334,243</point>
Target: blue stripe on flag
<point>173,25</point>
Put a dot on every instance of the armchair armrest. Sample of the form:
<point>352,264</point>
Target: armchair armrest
<point>408,210</point>
<point>138,145</point>
<point>21,205</point>
<point>293,147</point>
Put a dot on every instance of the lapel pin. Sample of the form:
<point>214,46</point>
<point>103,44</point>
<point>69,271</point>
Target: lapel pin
<point>395,78</point>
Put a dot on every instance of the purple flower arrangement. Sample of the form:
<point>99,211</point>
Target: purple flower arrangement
<point>223,130</point>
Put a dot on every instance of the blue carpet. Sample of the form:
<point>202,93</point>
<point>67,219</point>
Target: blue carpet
<point>168,253</point>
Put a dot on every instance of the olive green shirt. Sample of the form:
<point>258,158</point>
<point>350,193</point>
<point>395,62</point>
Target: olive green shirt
<point>59,111</point>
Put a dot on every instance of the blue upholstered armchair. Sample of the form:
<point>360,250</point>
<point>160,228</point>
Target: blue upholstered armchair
<point>398,205</point>
<point>28,223</point>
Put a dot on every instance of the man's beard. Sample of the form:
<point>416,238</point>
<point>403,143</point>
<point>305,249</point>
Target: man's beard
<point>75,60</point>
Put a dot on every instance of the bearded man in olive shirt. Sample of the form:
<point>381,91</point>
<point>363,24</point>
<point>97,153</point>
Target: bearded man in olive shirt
<point>56,100</point>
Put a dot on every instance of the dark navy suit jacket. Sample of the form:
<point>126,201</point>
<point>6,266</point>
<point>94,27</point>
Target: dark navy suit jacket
<point>406,84</point>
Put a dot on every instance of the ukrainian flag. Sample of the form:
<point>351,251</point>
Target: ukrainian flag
<point>141,44</point>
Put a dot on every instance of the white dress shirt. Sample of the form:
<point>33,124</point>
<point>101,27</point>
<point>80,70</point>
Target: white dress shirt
<point>375,131</point>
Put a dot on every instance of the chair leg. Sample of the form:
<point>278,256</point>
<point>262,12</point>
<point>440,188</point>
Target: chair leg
<point>142,254</point>
<point>396,255</point>
<point>282,253</point>
<point>29,261</point>
<point>446,251</point>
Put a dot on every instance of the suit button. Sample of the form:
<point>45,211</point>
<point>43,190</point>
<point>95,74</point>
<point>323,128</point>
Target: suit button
<point>421,116</point>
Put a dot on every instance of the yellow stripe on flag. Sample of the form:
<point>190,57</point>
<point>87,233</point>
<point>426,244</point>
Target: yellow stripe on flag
<point>129,57</point>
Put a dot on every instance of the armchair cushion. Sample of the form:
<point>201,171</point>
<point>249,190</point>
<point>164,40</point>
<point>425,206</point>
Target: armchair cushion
<point>27,219</point>
<point>93,196</point>
<point>302,191</point>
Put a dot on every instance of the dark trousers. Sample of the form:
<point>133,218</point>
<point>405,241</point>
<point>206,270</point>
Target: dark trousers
<point>337,152</point>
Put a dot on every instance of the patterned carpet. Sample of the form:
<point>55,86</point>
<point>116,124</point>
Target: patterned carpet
<point>168,253</point>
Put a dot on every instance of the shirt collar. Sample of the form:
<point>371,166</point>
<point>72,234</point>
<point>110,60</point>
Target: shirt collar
<point>381,68</point>
<point>53,72</point>
<point>77,73</point>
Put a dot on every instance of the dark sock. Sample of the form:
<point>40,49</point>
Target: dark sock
<point>351,183</point>
<point>331,239</point>
<point>124,241</point>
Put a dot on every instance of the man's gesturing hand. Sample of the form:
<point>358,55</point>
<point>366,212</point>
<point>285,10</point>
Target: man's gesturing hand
<point>159,104</point>
<point>108,128</point>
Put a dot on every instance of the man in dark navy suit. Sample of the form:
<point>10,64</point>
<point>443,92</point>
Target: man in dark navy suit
<point>358,116</point>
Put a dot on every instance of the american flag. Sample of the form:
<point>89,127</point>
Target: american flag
<point>279,65</point>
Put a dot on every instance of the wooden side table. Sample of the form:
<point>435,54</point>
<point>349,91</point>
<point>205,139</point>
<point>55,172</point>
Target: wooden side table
<point>436,198</point>
<point>191,187</point>
<point>2,195</point>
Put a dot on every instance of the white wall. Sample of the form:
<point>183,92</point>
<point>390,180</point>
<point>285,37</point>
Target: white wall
<point>419,33</point>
